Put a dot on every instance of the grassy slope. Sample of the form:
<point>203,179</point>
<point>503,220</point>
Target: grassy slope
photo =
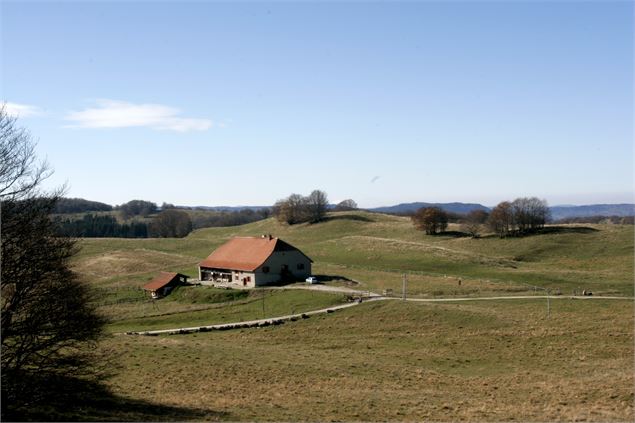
<point>377,249</point>
<point>174,314</point>
<point>385,360</point>
<point>394,361</point>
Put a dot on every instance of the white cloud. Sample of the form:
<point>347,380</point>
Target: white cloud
<point>121,114</point>
<point>21,110</point>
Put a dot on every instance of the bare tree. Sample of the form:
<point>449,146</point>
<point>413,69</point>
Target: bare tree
<point>137,208</point>
<point>501,219</point>
<point>298,209</point>
<point>317,204</point>
<point>20,173</point>
<point>171,223</point>
<point>46,314</point>
<point>474,221</point>
<point>346,205</point>
<point>430,219</point>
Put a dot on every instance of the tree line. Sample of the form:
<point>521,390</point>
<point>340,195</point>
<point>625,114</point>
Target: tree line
<point>167,224</point>
<point>297,208</point>
<point>312,208</point>
<point>208,219</point>
<point>99,226</point>
<point>79,205</point>
<point>522,216</point>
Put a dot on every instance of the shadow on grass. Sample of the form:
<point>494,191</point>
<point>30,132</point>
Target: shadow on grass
<point>321,278</point>
<point>567,230</point>
<point>348,217</point>
<point>331,278</point>
<point>71,399</point>
<point>547,231</point>
<point>453,234</point>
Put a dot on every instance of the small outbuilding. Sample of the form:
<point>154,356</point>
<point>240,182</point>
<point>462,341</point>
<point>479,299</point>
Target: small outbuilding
<point>164,283</point>
<point>255,261</point>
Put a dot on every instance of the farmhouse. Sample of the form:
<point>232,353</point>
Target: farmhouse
<point>164,283</point>
<point>255,261</point>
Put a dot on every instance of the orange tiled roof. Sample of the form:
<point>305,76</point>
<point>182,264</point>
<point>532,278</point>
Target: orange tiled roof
<point>245,253</point>
<point>160,281</point>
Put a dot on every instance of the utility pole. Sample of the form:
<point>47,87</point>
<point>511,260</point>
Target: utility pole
<point>263,304</point>
<point>403,287</point>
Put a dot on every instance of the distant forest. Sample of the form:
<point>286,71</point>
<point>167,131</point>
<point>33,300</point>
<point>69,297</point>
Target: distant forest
<point>142,219</point>
<point>100,226</point>
<point>79,205</point>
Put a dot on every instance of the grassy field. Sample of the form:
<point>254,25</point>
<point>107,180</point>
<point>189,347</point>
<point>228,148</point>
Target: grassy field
<point>383,360</point>
<point>377,249</point>
<point>183,310</point>
<point>390,360</point>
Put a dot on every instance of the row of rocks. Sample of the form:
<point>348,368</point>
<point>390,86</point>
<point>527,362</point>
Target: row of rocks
<point>230,326</point>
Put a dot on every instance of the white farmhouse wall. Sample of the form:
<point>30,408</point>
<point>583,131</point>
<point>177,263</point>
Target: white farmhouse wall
<point>275,263</point>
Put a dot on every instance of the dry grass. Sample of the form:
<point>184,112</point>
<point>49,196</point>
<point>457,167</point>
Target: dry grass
<point>400,362</point>
<point>486,361</point>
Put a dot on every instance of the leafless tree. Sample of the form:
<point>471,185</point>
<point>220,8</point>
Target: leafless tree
<point>346,205</point>
<point>523,215</point>
<point>47,317</point>
<point>501,219</point>
<point>20,173</point>
<point>430,219</point>
<point>170,223</point>
<point>317,204</point>
<point>474,221</point>
<point>298,209</point>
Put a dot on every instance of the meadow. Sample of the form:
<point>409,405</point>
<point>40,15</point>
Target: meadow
<point>389,360</point>
<point>382,360</point>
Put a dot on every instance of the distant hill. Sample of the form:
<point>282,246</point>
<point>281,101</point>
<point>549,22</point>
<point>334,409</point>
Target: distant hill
<point>557,212</point>
<point>561,212</point>
<point>79,205</point>
<point>461,208</point>
<point>224,208</point>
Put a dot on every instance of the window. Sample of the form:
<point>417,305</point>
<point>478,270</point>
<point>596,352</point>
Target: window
<point>265,269</point>
<point>300,266</point>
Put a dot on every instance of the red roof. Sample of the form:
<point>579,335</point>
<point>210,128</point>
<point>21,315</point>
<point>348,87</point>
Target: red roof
<point>160,281</point>
<point>246,253</point>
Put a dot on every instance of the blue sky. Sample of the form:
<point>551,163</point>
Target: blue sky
<point>212,103</point>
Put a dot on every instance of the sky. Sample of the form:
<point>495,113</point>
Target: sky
<point>244,103</point>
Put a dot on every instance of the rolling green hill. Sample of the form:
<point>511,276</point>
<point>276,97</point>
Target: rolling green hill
<point>382,360</point>
<point>376,249</point>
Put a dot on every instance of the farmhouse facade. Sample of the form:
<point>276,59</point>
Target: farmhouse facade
<point>255,261</point>
<point>164,283</point>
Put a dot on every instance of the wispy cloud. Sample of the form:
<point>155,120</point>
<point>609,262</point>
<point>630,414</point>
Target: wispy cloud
<point>21,110</point>
<point>121,114</point>
<point>375,178</point>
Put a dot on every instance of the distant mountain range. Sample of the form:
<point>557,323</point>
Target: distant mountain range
<point>557,212</point>
<point>461,208</point>
<point>560,212</point>
<point>76,205</point>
